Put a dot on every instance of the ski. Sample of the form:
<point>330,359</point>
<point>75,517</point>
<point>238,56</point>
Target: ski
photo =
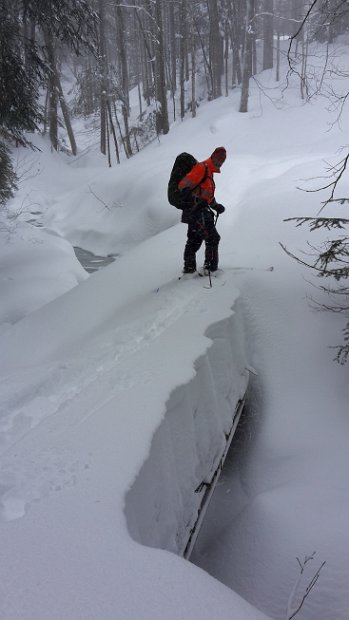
<point>271,268</point>
<point>215,275</point>
<point>189,276</point>
<point>200,274</point>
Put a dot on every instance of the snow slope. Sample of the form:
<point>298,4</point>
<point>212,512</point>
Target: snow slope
<point>87,380</point>
<point>284,494</point>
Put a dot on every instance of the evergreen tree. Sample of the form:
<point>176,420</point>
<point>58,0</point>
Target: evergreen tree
<point>19,108</point>
<point>19,88</point>
<point>8,179</point>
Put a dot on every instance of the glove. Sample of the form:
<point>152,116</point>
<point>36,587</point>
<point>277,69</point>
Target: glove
<point>219,208</point>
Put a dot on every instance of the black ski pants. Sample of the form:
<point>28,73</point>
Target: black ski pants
<point>201,228</point>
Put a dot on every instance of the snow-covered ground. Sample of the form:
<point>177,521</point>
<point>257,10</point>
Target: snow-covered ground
<point>88,376</point>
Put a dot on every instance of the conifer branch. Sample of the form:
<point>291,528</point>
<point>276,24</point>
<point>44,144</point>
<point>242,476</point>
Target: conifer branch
<point>319,222</point>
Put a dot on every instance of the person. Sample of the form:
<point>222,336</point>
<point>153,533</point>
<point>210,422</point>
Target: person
<point>199,204</point>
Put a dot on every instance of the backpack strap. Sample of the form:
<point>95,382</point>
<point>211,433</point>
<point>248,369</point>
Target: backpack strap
<point>193,199</point>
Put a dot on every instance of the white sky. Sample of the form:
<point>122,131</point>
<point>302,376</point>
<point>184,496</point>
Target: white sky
<point>87,378</point>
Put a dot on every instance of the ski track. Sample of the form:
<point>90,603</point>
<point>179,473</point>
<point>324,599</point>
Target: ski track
<point>29,478</point>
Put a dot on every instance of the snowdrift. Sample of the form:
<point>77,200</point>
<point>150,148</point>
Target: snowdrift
<point>165,506</point>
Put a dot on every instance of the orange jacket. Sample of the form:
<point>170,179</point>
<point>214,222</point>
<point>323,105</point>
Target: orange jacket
<point>205,188</point>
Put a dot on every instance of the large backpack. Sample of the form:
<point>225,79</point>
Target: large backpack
<point>183,164</point>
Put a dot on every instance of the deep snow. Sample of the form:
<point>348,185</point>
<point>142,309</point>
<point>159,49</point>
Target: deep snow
<point>86,379</point>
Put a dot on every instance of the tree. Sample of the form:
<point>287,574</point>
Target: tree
<point>103,72</point>
<point>215,49</point>
<point>182,53</point>
<point>234,27</point>
<point>19,87</point>
<point>247,56</point>
<point>8,178</point>
<point>125,84</point>
<point>160,83</point>
<point>25,62</point>
<point>71,24</point>
<point>268,34</point>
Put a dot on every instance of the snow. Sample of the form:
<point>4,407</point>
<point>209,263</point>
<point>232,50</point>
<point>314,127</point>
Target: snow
<point>103,376</point>
<point>27,251</point>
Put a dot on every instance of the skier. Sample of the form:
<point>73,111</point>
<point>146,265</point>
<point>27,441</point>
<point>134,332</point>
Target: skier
<point>197,189</point>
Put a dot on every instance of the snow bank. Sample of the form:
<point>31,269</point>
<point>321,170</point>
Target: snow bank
<point>162,506</point>
<point>86,384</point>
<point>35,268</point>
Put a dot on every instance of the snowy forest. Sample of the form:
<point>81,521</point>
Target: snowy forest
<point>62,59</point>
<point>173,448</point>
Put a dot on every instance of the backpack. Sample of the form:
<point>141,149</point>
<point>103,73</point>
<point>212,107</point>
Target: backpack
<point>183,164</point>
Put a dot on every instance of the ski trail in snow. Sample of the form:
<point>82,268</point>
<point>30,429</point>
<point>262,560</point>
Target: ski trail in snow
<point>25,407</point>
<point>104,367</point>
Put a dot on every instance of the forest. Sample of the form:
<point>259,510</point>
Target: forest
<point>60,59</point>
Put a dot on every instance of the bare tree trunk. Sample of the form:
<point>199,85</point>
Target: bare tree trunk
<point>303,76</point>
<point>268,34</point>
<point>113,132</point>
<point>161,89</point>
<point>121,43</point>
<point>47,96</point>
<point>66,114</point>
<point>234,29</point>
<point>103,77</point>
<point>122,49</point>
<point>254,48</point>
<point>182,18</point>
<point>108,144</point>
<point>207,64</point>
<point>215,49</point>
<point>147,56</point>
<point>138,63</point>
<point>56,94</point>
<point>52,93</point>
<point>226,58</point>
<point>186,45</point>
<point>247,58</point>
<point>172,46</point>
<point>277,74</point>
<point>145,73</point>
<point>193,70</point>
<point>120,132</point>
